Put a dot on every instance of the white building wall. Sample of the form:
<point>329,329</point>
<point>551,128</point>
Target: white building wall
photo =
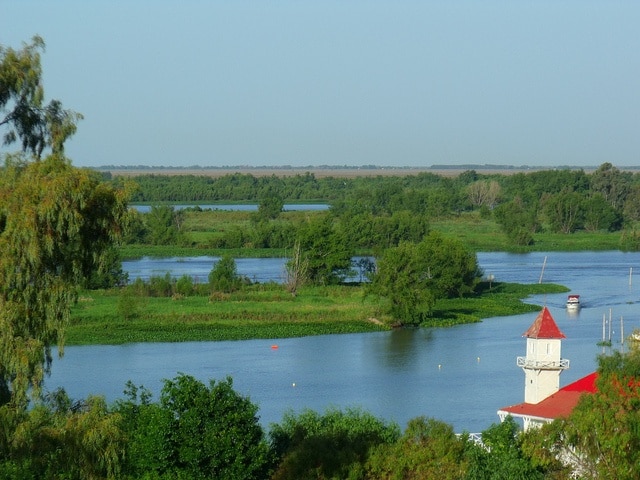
<point>542,369</point>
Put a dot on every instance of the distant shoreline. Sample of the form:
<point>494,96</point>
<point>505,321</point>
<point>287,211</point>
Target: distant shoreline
<point>330,171</point>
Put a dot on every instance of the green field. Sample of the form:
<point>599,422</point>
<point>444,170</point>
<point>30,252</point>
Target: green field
<point>268,311</point>
<point>484,235</point>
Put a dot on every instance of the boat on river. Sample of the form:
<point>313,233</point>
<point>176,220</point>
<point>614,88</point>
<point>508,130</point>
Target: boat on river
<point>573,302</point>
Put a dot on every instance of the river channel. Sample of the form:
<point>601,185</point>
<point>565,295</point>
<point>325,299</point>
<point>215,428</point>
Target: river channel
<point>461,375</point>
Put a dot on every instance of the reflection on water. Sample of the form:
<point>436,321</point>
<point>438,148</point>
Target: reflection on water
<point>461,374</point>
<point>402,344</point>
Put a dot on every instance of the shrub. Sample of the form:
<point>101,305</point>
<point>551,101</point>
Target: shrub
<point>333,445</point>
<point>161,286</point>
<point>223,277</point>
<point>184,286</point>
<point>194,432</point>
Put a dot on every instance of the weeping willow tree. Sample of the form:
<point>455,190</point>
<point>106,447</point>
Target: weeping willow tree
<point>24,116</point>
<point>57,225</point>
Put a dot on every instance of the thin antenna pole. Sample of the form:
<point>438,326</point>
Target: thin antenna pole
<point>609,324</point>
<point>604,319</point>
<point>621,331</point>
<point>542,272</point>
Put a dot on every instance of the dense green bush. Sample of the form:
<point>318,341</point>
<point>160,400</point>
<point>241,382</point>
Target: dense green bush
<point>184,286</point>
<point>333,445</point>
<point>194,432</point>
<point>428,449</point>
<point>224,276</point>
<point>61,439</point>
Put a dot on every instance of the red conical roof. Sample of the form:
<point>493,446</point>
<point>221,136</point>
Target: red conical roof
<point>544,326</point>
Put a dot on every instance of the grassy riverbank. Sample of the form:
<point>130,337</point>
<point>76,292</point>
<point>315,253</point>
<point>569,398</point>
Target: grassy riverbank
<point>269,312</point>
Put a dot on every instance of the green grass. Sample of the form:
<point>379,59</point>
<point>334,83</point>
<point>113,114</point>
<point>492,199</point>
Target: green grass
<point>484,235</point>
<point>267,311</point>
<point>254,312</point>
<point>501,299</point>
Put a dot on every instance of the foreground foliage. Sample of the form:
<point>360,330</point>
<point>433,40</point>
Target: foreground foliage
<point>59,438</point>
<point>57,226</point>
<point>601,438</point>
<point>335,444</point>
<point>194,432</point>
<point>197,431</point>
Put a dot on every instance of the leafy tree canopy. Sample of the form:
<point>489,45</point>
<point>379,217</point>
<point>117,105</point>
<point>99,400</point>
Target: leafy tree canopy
<point>23,113</point>
<point>57,226</point>
<point>224,277</point>
<point>411,277</point>
<point>195,431</point>
<point>601,437</point>
<point>327,249</point>
<point>333,445</point>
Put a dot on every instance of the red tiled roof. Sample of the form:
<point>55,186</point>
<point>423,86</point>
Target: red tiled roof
<point>583,385</point>
<point>560,404</point>
<point>544,326</point>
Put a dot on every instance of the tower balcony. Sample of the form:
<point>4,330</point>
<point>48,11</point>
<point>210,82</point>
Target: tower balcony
<point>532,364</point>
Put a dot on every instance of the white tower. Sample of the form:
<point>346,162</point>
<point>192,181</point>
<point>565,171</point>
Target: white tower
<point>542,365</point>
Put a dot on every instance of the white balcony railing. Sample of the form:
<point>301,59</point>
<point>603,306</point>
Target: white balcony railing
<point>525,362</point>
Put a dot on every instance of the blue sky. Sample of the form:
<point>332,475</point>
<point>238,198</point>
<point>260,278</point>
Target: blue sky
<point>388,83</point>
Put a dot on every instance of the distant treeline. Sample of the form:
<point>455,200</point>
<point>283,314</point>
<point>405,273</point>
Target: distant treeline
<point>557,200</point>
<point>233,187</point>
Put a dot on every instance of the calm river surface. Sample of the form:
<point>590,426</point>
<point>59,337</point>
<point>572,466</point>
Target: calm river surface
<point>241,207</point>
<point>461,375</point>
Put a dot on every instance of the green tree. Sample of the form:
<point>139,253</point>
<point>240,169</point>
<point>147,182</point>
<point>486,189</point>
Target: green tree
<point>411,277</point>
<point>600,215</point>
<point>162,225</point>
<point>502,456</point>
<point>565,211</point>
<point>517,221</point>
<point>401,280</point>
<point>22,110</point>
<point>333,445</point>
<point>111,274</point>
<point>194,432</point>
<point>428,449</point>
<point>612,184</point>
<point>57,226</point>
<point>270,207</point>
<point>602,434</point>
<point>184,286</point>
<point>136,231</point>
<point>224,276</point>
<point>327,250</point>
<point>63,439</point>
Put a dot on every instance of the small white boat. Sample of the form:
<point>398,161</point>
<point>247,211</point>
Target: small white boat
<point>573,302</point>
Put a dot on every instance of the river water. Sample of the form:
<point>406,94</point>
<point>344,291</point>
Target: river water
<point>242,207</point>
<point>461,375</point>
